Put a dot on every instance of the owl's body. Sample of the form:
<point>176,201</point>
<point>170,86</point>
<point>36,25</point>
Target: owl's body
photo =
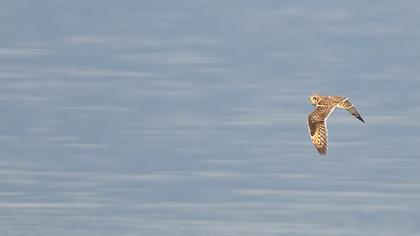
<point>324,105</point>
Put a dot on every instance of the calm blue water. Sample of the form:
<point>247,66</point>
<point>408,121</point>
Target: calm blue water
<point>189,118</point>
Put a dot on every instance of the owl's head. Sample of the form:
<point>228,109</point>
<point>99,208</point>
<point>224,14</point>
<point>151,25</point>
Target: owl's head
<point>314,98</point>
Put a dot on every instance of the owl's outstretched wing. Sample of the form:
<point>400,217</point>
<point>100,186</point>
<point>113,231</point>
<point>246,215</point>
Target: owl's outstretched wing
<point>347,105</point>
<point>318,127</point>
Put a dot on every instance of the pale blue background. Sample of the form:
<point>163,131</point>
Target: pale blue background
<point>189,118</point>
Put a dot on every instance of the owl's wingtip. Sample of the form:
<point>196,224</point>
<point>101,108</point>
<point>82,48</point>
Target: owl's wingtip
<point>322,151</point>
<point>360,118</point>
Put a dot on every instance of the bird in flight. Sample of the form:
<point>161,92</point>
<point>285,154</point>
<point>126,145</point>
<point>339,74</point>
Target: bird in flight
<point>317,125</point>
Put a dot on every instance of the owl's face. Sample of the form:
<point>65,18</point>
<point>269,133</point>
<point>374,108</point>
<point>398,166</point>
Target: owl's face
<point>314,99</point>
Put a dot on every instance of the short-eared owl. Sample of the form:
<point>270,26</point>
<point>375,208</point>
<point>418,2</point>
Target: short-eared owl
<point>324,105</point>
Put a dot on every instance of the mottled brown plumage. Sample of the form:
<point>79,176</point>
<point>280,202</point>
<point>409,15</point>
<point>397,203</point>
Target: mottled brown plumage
<point>317,125</point>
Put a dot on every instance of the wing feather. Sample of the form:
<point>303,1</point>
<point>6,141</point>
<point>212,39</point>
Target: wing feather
<point>347,105</point>
<point>320,137</point>
<point>318,127</point>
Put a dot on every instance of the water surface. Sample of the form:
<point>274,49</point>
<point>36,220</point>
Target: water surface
<point>189,118</point>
